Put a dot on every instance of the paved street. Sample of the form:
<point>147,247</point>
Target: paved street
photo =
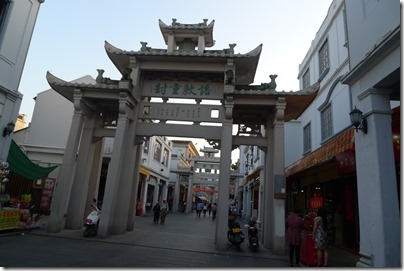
<point>184,241</point>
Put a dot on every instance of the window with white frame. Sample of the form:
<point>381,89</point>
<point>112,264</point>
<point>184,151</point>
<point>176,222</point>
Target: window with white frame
<point>323,58</point>
<point>306,79</point>
<point>307,138</point>
<point>326,123</point>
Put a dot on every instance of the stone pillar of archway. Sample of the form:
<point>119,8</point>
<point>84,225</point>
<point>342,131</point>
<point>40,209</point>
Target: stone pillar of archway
<point>115,209</point>
<point>67,169</point>
<point>274,208</point>
<point>126,186</point>
<point>94,183</point>
<point>188,208</point>
<point>176,199</point>
<point>135,185</point>
<point>78,196</point>
<point>224,176</point>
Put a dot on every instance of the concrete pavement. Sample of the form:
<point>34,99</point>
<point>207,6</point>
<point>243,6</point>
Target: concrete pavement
<point>184,234</point>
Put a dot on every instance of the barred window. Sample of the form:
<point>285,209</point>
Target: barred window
<point>307,138</point>
<point>326,123</point>
<point>306,79</point>
<point>157,151</point>
<point>4,4</point>
<point>323,57</point>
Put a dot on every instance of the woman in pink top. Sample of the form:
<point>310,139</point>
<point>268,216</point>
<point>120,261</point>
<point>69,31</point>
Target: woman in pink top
<point>295,226</point>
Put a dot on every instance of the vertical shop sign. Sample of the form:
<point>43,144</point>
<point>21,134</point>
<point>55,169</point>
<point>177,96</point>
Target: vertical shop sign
<point>47,194</point>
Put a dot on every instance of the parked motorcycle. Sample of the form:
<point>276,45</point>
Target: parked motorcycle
<point>235,235</point>
<point>92,220</point>
<point>253,242</point>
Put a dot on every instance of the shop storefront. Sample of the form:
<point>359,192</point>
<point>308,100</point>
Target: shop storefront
<point>327,178</point>
<point>24,189</point>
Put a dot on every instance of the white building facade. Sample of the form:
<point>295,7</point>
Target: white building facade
<point>327,162</point>
<point>17,22</point>
<point>374,40</point>
<point>355,58</point>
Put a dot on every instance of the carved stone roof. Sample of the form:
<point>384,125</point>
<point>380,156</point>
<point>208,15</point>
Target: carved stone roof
<point>206,29</point>
<point>296,101</point>
<point>66,89</point>
<point>246,63</point>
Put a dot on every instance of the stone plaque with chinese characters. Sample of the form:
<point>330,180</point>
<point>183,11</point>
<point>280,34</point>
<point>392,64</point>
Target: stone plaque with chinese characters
<point>181,112</point>
<point>183,89</point>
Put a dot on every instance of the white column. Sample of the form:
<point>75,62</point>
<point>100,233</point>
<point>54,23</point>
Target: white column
<point>278,247</point>
<point>268,221</point>
<point>111,196</point>
<point>67,169</point>
<point>95,176</point>
<point>274,209</point>
<point>201,42</point>
<point>379,213</point>
<point>189,196</point>
<point>78,196</point>
<point>176,199</point>
<point>224,176</point>
<point>134,192</point>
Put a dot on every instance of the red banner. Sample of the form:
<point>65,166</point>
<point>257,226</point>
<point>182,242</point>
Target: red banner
<point>204,190</point>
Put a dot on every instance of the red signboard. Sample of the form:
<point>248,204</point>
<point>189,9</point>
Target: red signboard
<point>346,162</point>
<point>316,203</point>
<point>47,194</point>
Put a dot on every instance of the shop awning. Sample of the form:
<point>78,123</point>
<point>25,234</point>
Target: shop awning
<point>20,164</point>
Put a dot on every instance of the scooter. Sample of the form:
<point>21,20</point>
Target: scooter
<point>92,220</point>
<point>253,242</point>
<point>235,235</point>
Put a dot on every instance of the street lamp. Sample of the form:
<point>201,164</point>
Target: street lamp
<point>358,121</point>
<point>8,129</point>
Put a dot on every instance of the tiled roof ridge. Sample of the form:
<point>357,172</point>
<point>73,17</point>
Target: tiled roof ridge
<point>163,52</point>
<point>177,25</point>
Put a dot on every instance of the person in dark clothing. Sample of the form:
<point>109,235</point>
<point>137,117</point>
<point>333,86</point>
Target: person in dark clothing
<point>214,210</point>
<point>295,226</point>
<point>156,212</point>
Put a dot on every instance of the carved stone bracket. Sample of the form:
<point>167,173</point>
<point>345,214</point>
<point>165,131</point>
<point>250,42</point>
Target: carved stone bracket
<point>81,105</point>
<point>280,109</point>
<point>228,107</point>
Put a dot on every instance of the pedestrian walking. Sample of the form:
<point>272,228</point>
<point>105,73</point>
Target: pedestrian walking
<point>163,212</point>
<point>210,208</point>
<point>139,209</point>
<point>156,213</point>
<point>199,208</point>
<point>295,225</point>
<point>320,236</point>
<point>205,209</point>
<point>214,210</point>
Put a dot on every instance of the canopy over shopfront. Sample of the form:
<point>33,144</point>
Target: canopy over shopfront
<point>20,164</point>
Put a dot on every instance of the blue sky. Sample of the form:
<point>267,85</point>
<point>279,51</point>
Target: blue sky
<point>69,36</point>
